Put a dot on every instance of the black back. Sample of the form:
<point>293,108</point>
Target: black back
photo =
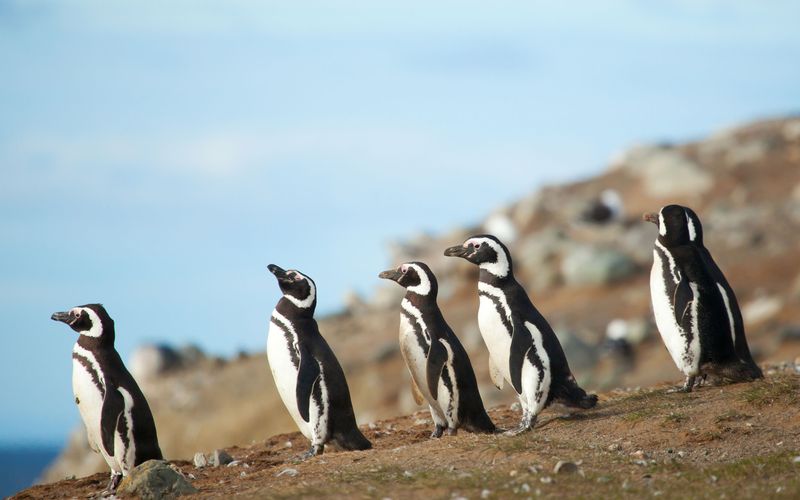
<point>740,344</point>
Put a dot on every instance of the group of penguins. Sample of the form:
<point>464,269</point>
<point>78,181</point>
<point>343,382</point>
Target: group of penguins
<point>695,309</point>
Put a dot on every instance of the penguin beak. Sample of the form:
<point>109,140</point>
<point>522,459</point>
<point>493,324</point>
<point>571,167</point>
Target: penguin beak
<point>391,274</point>
<point>64,317</point>
<point>457,251</point>
<point>279,273</point>
<point>651,217</point>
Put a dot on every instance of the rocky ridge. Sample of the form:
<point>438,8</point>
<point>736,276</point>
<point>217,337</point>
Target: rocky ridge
<point>583,253</point>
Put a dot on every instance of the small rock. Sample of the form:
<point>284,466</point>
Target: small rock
<point>287,472</point>
<point>242,474</point>
<point>796,460</point>
<point>515,406</point>
<point>534,469</point>
<point>408,473</point>
<point>546,480</point>
<point>640,454</point>
<point>200,460</point>
<point>590,265</point>
<point>155,479</point>
<point>288,444</point>
<point>681,454</point>
<point>614,447</point>
<point>220,457</point>
<point>603,479</point>
<point>525,488</point>
<point>564,467</point>
<point>486,493</point>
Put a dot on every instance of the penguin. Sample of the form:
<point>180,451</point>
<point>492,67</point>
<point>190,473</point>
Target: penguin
<point>118,420</point>
<point>308,376</point>
<point>695,309</point>
<point>441,372</point>
<point>523,349</point>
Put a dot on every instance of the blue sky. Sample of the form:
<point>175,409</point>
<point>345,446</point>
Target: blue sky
<point>156,156</point>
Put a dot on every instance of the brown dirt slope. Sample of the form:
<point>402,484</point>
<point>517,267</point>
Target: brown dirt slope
<point>738,441</point>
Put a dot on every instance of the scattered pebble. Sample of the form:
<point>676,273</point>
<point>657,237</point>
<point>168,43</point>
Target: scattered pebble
<point>640,454</point>
<point>713,478</point>
<point>287,472</point>
<point>682,454</point>
<point>408,473</point>
<point>534,469</point>
<point>796,460</point>
<point>200,460</point>
<point>603,479</point>
<point>220,457</point>
<point>485,494</point>
<point>546,479</point>
<point>614,447</point>
<point>564,467</point>
<point>288,444</point>
<point>525,488</point>
<point>512,473</point>
<point>242,474</point>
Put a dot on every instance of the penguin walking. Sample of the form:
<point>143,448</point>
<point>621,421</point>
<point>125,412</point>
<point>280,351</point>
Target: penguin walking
<point>118,420</point>
<point>695,308</point>
<point>441,372</point>
<point>523,349</point>
<point>308,376</point>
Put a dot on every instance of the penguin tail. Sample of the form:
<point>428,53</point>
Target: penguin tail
<point>569,393</point>
<point>352,439</point>
<point>479,422</point>
<point>737,371</point>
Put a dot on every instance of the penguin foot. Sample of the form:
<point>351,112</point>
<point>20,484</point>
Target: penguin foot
<point>687,386</point>
<point>451,431</point>
<point>316,449</point>
<point>437,432</point>
<point>111,489</point>
<point>525,425</point>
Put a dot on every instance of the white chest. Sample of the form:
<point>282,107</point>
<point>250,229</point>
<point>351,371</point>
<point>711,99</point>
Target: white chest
<point>282,355</point>
<point>495,334</point>
<point>415,355</point>
<point>683,353</point>
<point>89,399</point>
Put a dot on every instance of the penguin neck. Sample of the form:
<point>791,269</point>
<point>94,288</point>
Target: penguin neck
<point>495,280</point>
<point>422,302</point>
<point>104,341</point>
<point>291,310</point>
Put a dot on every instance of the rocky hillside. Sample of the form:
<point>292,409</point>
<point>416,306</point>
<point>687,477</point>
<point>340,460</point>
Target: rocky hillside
<point>584,255</point>
<point>739,441</point>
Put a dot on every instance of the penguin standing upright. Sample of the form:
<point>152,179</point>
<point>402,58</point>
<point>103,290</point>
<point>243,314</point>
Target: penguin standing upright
<point>308,376</point>
<point>441,372</point>
<point>523,349</point>
<point>119,424</point>
<point>695,308</point>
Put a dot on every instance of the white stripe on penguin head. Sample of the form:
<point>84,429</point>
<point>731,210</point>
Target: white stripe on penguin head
<point>312,293</point>
<point>97,327</point>
<point>424,287</point>
<point>662,228</point>
<point>690,225</point>
<point>500,267</point>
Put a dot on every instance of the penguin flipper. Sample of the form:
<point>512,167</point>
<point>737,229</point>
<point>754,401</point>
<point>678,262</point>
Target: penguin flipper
<point>113,406</point>
<point>682,300</point>
<point>307,375</point>
<point>521,342</point>
<point>418,397</point>
<point>437,357</point>
<point>495,374</point>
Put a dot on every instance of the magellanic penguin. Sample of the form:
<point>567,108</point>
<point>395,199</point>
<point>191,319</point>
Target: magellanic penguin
<point>695,308</point>
<point>441,372</point>
<point>308,376</point>
<point>523,349</point>
<point>118,421</point>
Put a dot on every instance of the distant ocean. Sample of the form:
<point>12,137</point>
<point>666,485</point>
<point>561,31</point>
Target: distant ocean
<point>20,466</point>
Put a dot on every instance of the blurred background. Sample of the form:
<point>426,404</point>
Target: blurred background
<point>156,156</point>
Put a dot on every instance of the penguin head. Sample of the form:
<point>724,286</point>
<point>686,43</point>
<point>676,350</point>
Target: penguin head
<point>298,288</point>
<point>486,251</point>
<point>677,225</point>
<point>416,277</point>
<point>90,320</point>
